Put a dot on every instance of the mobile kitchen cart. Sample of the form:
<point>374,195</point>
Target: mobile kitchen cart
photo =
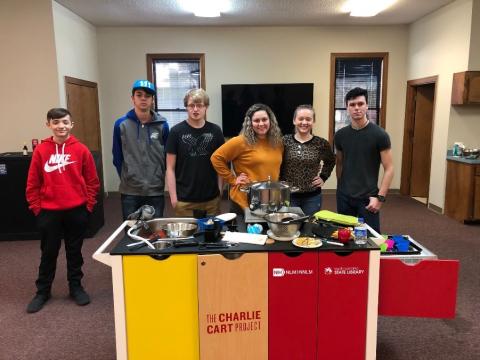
<point>265,302</point>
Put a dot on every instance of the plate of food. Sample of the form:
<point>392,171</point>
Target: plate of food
<point>307,242</point>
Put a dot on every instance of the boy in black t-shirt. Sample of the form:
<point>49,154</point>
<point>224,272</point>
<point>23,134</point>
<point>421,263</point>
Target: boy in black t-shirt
<point>193,183</point>
<point>361,148</point>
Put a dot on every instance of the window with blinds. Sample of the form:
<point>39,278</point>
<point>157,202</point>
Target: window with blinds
<point>173,75</point>
<point>367,71</point>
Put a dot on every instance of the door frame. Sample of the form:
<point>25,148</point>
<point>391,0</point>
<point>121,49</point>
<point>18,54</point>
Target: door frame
<point>409,129</point>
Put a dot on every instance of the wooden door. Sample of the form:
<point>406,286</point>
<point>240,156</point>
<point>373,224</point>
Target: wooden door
<point>417,137</point>
<point>82,101</point>
<point>422,141</point>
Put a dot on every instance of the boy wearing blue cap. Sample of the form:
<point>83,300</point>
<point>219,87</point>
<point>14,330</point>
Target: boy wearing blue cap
<point>139,140</point>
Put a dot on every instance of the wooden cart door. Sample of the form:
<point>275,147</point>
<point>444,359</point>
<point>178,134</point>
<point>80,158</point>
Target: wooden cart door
<point>161,307</point>
<point>233,307</point>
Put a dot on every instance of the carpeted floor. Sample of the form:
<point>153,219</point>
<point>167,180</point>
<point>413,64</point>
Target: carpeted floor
<point>63,330</point>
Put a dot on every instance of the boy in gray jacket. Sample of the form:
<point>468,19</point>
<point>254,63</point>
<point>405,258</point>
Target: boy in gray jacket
<point>139,140</point>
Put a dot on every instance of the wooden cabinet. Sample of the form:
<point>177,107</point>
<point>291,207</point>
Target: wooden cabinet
<point>233,307</point>
<point>466,88</point>
<point>462,193</point>
<point>476,203</point>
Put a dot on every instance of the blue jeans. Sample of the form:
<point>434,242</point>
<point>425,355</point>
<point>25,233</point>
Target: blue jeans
<point>309,204</point>
<point>357,207</point>
<point>131,203</point>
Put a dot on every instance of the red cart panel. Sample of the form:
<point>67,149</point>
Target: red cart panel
<point>292,305</point>
<point>342,305</point>
<point>425,289</point>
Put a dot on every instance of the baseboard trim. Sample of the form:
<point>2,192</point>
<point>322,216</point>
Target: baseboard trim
<point>435,208</point>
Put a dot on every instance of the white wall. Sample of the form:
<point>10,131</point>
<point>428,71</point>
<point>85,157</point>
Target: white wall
<point>28,71</point>
<point>76,48</point>
<point>465,120</point>
<point>439,45</point>
<point>249,55</point>
<point>474,60</point>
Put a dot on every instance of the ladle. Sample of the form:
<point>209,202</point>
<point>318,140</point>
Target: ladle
<point>289,219</point>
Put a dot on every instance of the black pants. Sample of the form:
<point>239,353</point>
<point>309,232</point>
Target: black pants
<point>54,225</point>
<point>131,203</point>
<point>358,207</point>
<point>240,220</point>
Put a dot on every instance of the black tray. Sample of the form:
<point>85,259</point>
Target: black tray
<point>412,248</point>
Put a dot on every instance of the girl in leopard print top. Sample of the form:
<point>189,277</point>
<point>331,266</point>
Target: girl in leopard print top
<point>308,161</point>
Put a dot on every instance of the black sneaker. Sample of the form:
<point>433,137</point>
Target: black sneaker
<point>79,295</point>
<point>37,303</point>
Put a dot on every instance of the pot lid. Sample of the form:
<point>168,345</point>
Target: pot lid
<point>267,185</point>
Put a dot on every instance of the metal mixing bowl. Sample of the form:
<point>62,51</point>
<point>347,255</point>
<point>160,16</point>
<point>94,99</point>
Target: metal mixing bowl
<point>274,221</point>
<point>180,229</point>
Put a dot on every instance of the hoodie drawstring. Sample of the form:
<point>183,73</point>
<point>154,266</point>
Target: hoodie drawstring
<point>61,161</point>
<point>56,157</point>
<point>63,156</point>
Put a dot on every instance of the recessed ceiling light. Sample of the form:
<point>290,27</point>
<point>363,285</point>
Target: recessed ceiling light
<point>366,8</point>
<point>205,8</point>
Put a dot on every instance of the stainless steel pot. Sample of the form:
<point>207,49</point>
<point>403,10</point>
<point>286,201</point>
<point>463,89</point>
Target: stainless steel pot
<point>268,196</point>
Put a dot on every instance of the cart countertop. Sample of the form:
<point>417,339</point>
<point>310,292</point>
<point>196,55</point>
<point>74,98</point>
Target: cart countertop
<point>278,246</point>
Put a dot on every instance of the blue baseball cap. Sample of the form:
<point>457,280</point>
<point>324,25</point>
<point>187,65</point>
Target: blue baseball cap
<point>145,85</point>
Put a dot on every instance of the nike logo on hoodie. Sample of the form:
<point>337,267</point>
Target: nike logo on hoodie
<point>56,162</point>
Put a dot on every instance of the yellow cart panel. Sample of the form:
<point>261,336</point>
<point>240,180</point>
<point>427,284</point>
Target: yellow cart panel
<point>161,307</point>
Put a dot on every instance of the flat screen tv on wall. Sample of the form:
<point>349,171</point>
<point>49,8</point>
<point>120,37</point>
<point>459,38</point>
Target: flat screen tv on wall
<point>282,99</point>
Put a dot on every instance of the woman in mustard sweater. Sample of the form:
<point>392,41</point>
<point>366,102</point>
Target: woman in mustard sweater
<point>255,154</point>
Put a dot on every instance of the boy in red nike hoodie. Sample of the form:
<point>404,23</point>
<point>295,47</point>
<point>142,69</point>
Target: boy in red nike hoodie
<point>62,186</point>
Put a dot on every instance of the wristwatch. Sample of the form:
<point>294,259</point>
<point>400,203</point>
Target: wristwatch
<point>380,198</point>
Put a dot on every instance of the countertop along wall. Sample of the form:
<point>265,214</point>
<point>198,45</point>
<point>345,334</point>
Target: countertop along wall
<point>249,55</point>
<point>439,45</point>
